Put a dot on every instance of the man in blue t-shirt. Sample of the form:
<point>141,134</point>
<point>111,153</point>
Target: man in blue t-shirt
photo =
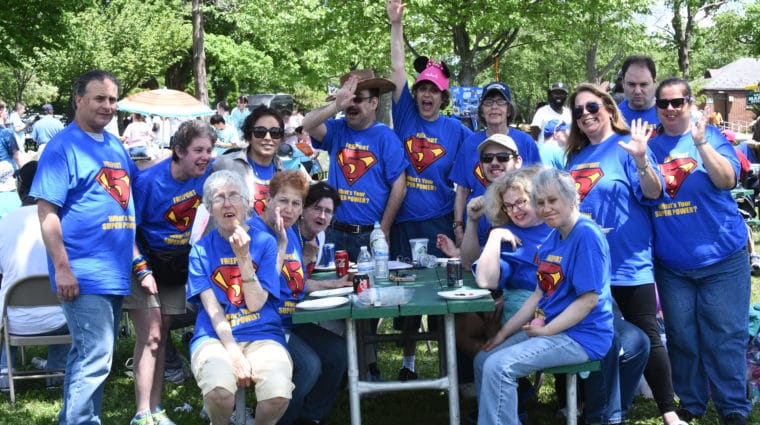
<point>87,217</point>
<point>639,85</point>
<point>368,164</point>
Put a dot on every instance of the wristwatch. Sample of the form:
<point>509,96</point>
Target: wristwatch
<point>458,224</point>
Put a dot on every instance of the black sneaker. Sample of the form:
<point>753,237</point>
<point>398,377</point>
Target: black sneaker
<point>735,419</point>
<point>686,415</point>
<point>406,374</point>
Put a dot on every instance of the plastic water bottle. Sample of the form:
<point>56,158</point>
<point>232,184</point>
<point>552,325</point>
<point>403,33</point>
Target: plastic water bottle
<point>365,265</point>
<point>377,233</point>
<point>381,258</point>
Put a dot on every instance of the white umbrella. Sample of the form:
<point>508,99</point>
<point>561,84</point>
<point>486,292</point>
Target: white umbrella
<point>164,103</point>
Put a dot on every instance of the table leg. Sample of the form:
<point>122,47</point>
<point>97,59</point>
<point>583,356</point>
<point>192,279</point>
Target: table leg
<point>353,373</point>
<point>451,367</point>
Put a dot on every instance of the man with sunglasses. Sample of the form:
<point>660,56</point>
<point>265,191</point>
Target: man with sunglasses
<point>639,84</point>
<point>554,110</point>
<point>368,165</point>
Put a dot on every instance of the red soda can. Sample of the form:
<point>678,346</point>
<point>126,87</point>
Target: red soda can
<point>361,282</point>
<point>341,263</point>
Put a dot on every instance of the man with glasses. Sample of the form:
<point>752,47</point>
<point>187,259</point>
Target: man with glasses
<point>554,110</point>
<point>639,84</point>
<point>367,161</point>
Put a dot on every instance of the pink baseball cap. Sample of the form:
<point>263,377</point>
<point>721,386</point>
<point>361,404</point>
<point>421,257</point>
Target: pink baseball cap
<point>433,72</point>
<point>729,135</point>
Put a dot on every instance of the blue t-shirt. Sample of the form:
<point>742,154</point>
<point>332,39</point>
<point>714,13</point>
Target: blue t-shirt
<point>610,193</point>
<point>743,147</point>
<point>466,171</point>
<point>44,129</point>
<point>213,265</point>
<point>90,182</point>
<point>431,147</point>
<point>8,146</point>
<point>699,224</point>
<point>552,155</point>
<point>364,164</point>
<point>166,207</point>
<point>648,115</point>
<point>292,274</point>
<point>571,267</point>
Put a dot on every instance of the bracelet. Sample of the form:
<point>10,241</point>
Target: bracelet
<point>703,142</point>
<point>140,267</point>
<point>458,223</point>
<point>142,274</point>
<point>643,170</point>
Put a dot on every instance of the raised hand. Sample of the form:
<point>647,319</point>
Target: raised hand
<point>395,10</point>
<point>345,95</point>
<point>637,146</point>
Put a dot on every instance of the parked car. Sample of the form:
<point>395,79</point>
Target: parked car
<point>277,101</point>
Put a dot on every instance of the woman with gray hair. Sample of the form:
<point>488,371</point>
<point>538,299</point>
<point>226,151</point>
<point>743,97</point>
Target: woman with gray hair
<point>570,309</point>
<point>238,339</point>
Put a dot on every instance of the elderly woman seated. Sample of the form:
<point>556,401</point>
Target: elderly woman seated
<point>238,338</point>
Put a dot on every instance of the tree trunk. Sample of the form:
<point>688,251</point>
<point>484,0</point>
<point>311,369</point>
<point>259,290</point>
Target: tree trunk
<point>199,55</point>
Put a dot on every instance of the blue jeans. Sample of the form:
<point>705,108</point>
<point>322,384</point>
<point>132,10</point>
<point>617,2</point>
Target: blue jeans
<point>320,360</point>
<point>56,354</point>
<point>138,151</point>
<point>497,371</point>
<point>350,242</point>
<point>706,320</point>
<point>401,233</point>
<point>93,322</point>
<point>609,393</point>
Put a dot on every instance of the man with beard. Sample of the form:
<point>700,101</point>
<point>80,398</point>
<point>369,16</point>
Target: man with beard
<point>555,110</point>
<point>367,160</point>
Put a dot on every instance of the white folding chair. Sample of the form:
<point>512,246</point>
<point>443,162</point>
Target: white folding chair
<point>32,291</point>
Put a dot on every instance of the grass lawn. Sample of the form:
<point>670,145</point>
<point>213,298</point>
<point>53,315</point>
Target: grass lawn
<point>36,405</point>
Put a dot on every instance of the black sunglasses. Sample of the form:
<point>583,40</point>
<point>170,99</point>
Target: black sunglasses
<point>591,107</point>
<point>486,158</point>
<point>358,99</point>
<point>261,132</point>
<point>675,103</point>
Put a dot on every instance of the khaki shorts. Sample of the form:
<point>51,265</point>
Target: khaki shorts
<point>271,363</point>
<point>171,299</point>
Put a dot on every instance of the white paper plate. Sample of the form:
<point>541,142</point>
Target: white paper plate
<point>335,292</point>
<point>464,294</point>
<point>331,267</point>
<point>442,261</point>
<point>322,303</point>
<point>398,265</point>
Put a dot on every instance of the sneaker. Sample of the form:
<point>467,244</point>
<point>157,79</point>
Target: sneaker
<point>735,419</point>
<point>406,374</point>
<point>754,261</point>
<point>161,418</point>
<point>143,418</point>
<point>247,418</point>
<point>176,376</point>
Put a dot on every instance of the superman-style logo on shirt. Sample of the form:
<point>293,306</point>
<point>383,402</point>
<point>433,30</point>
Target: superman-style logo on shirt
<point>260,193</point>
<point>355,163</point>
<point>478,173</point>
<point>675,173</point>
<point>293,274</point>
<point>229,280</point>
<point>182,215</point>
<point>116,182</point>
<point>550,276</point>
<point>586,179</point>
<point>423,153</point>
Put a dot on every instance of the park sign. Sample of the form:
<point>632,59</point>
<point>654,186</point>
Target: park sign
<point>753,98</point>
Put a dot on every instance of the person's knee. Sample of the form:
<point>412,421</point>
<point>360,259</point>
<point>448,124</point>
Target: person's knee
<point>220,399</point>
<point>275,406</point>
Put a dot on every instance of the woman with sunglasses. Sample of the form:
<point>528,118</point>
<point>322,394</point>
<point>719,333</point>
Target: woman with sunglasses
<point>319,356</point>
<point>616,179</point>
<point>701,260</point>
<point>263,130</point>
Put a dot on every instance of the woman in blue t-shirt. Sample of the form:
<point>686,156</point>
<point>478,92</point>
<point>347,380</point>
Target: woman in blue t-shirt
<point>701,260</point>
<point>567,319</point>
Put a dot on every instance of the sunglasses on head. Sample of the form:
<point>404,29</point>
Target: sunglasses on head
<point>591,107</point>
<point>675,103</point>
<point>486,158</point>
<point>274,132</point>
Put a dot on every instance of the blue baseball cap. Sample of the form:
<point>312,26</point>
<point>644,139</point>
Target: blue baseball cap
<point>499,87</point>
<point>554,126</point>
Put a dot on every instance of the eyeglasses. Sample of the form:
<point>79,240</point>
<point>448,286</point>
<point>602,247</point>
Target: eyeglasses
<point>221,199</point>
<point>591,107</point>
<point>511,207</point>
<point>274,132</point>
<point>490,102</point>
<point>358,99</point>
<point>321,210</point>
<point>675,103</point>
<point>486,158</point>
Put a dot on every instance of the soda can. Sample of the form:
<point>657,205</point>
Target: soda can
<point>454,273</point>
<point>328,255</point>
<point>361,282</point>
<point>341,263</point>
